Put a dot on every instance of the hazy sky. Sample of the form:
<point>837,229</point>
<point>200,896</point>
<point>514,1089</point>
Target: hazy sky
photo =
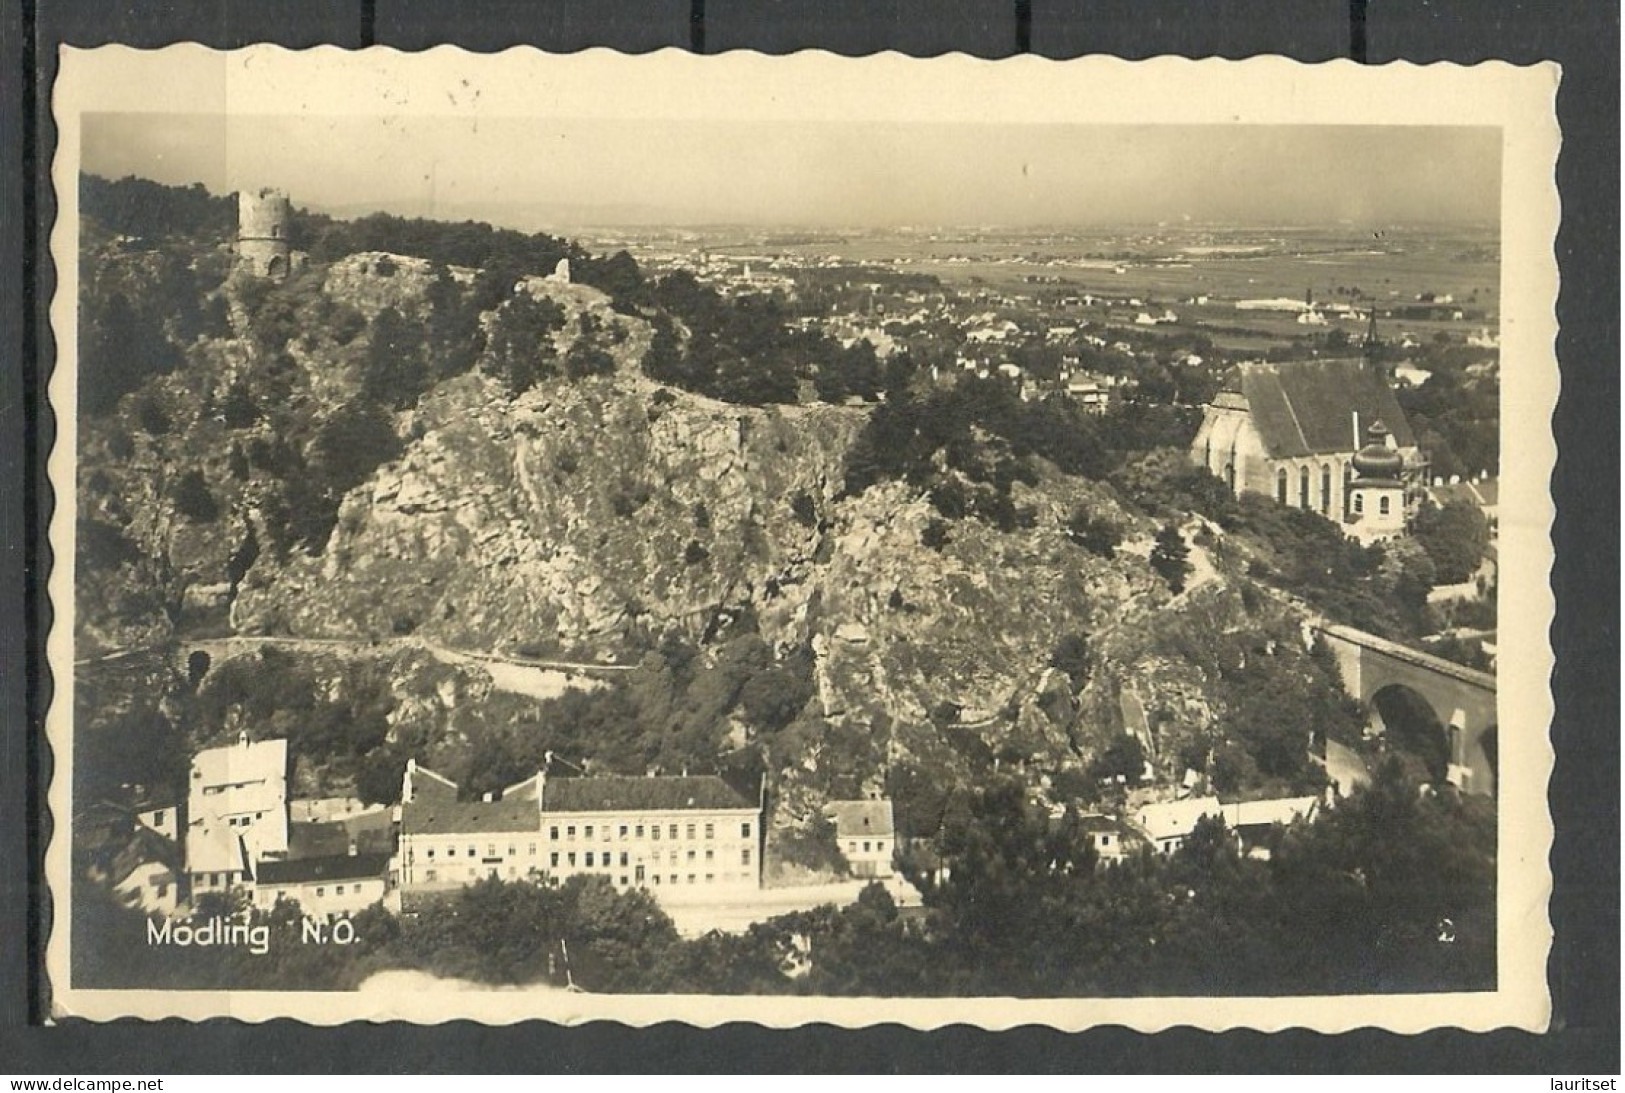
<point>532,173</point>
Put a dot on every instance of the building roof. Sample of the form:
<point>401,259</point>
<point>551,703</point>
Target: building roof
<point>422,784</point>
<point>144,847</point>
<point>328,809</point>
<point>437,816</point>
<point>1483,493</point>
<point>243,761</point>
<point>370,831</point>
<point>660,793</point>
<point>333,867</point>
<point>243,777</point>
<point>860,818</point>
<point>1281,810</point>
<point>1307,407</point>
<point>1176,819</point>
<point>1094,821</point>
<point>215,848</point>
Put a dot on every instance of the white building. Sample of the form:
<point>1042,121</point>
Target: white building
<point>237,812</point>
<point>1253,821</point>
<point>1169,824</point>
<point>1106,835</point>
<point>330,887</point>
<point>163,820</point>
<point>446,843</point>
<point>866,833</point>
<point>684,837</point>
<point>145,875</point>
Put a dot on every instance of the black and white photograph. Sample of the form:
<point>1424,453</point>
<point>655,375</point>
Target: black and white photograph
<point>802,538</point>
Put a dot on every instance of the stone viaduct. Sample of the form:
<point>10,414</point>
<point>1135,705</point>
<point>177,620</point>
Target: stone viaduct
<point>1461,698</point>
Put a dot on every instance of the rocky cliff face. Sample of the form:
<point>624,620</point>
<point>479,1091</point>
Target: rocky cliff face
<point>562,521</point>
<point>585,517</point>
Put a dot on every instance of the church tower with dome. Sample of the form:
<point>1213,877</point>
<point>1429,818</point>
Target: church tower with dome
<point>1377,494</point>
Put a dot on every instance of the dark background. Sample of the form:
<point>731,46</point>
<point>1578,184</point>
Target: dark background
<point>1584,968</point>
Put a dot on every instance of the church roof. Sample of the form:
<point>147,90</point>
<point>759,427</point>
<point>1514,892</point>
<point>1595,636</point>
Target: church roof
<point>1307,407</point>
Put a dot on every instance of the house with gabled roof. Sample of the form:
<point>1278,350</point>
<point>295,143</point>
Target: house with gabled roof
<point>1167,824</point>
<point>146,873</point>
<point>1295,431</point>
<point>446,843</point>
<point>1254,822</point>
<point>866,832</point>
<point>331,886</point>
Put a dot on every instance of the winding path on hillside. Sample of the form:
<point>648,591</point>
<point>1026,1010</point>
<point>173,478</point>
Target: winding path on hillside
<point>235,644</point>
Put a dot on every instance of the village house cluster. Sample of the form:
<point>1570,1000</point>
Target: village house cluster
<point>684,838</point>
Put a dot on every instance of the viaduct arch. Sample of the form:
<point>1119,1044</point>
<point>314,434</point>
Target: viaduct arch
<point>1463,699</point>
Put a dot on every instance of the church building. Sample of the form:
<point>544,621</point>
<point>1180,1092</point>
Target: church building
<point>1324,435</point>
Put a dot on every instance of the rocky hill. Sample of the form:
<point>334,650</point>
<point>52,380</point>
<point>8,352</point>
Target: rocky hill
<point>385,455</point>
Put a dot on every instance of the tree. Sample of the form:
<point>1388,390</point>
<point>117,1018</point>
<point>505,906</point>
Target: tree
<point>1124,757</point>
<point>521,348</point>
<point>772,699</point>
<point>663,361</point>
<point>1095,534</point>
<point>352,444</point>
<point>1071,656</point>
<point>1391,890</point>
<point>585,359</point>
<point>193,499</point>
<point>1455,536</point>
<point>395,368</point>
<point>1169,558</point>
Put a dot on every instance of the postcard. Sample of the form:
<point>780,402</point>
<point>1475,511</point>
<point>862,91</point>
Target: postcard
<point>788,539</point>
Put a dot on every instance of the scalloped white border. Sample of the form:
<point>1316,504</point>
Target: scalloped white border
<point>443,80</point>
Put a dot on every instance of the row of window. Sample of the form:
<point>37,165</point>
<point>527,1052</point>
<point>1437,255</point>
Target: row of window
<point>338,889</point>
<point>607,857</point>
<point>589,857</point>
<point>1355,501</point>
<point>431,875</point>
<point>225,787</point>
<point>1282,486</point>
<point>635,831</point>
<point>490,851</point>
<point>674,878</point>
<point>852,846</point>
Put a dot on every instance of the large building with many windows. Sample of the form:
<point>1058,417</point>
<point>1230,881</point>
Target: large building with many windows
<point>1306,432</point>
<point>686,836</point>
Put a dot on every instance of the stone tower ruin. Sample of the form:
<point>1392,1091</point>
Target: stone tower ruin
<point>263,246</point>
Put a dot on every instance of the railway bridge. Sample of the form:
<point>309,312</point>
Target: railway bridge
<point>1376,670</point>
